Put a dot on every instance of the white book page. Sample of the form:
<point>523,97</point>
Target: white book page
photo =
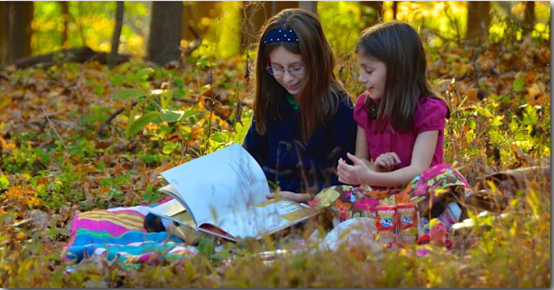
<point>213,185</point>
<point>169,208</point>
<point>174,211</point>
<point>171,191</point>
<point>256,221</point>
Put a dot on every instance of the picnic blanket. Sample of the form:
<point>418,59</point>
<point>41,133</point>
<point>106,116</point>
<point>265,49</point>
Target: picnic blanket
<point>119,235</point>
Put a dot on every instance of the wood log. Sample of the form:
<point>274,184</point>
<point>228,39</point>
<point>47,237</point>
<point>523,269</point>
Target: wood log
<point>81,55</point>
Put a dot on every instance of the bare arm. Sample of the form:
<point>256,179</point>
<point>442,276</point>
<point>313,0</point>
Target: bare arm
<point>422,156</point>
<point>362,152</point>
<point>362,149</point>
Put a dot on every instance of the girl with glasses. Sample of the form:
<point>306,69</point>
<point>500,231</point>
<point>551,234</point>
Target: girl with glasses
<point>303,117</point>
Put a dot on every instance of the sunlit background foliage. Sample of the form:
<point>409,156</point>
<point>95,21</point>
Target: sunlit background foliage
<point>91,23</point>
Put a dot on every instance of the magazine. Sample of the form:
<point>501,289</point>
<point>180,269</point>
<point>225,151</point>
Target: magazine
<point>224,194</point>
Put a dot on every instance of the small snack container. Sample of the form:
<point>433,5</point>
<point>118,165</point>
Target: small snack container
<point>407,223</point>
<point>386,224</point>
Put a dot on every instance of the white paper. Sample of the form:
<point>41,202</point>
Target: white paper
<point>257,221</point>
<point>168,209</point>
<point>214,185</point>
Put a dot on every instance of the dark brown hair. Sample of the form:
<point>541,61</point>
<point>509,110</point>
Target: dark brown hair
<point>399,46</point>
<point>322,89</point>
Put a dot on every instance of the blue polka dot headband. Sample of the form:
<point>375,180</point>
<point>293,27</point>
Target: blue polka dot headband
<point>280,35</point>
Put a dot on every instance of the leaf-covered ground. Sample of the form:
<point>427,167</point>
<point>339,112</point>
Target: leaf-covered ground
<point>64,148</point>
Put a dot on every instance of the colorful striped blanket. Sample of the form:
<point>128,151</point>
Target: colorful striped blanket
<point>118,235</point>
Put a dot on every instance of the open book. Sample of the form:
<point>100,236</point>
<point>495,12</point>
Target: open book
<point>224,194</point>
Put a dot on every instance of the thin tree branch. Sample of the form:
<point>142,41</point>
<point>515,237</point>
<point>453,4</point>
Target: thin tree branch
<point>53,128</point>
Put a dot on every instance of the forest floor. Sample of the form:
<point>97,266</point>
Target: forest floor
<point>70,142</point>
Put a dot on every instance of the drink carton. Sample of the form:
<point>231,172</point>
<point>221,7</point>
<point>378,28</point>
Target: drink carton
<point>386,223</point>
<point>408,222</point>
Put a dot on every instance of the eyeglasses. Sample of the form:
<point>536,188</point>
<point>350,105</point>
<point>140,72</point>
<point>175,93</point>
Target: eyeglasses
<point>279,72</point>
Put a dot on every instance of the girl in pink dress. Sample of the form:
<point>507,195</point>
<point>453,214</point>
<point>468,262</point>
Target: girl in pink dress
<point>399,143</point>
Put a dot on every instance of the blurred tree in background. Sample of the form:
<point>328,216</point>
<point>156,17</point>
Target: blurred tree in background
<point>165,32</point>
<point>224,29</point>
<point>16,29</point>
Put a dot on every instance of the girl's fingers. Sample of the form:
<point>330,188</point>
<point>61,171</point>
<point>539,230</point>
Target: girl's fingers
<point>382,162</point>
<point>342,165</point>
<point>388,160</point>
<point>395,157</point>
<point>355,160</point>
<point>343,175</point>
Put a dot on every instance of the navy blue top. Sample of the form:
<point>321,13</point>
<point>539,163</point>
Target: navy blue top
<point>278,151</point>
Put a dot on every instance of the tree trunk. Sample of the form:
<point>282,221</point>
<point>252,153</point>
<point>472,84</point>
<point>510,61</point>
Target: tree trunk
<point>309,5</point>
<point>16,26</point>
<point>478,19</point>
<point>254,15</point>
<point>375,13</point>
<point>166,28</point>
<point>116,35</point>
<point>65,17</point>
<point>529,18</point>
<point>394,9</point>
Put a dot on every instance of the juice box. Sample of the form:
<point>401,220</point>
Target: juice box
<point>386,223</point>
<point>407,224</point>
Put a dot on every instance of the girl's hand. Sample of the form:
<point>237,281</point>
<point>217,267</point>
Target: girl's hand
<point>297,197</point>
<point>352,174</point>
<point>386,162</point>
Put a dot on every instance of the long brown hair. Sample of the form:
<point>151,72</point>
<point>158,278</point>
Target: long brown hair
<point>322,89</point>
<point>399,46</point>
